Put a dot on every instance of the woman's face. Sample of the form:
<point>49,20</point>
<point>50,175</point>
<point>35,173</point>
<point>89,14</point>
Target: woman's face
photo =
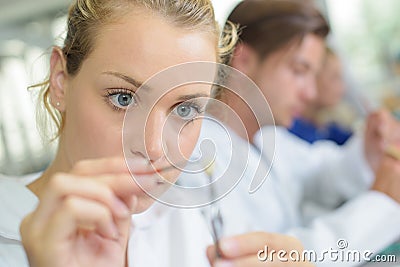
<point>125,55</point>
<point>287,78</point>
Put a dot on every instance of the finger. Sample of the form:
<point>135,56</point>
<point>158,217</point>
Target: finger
<point>116,165</point>
<point>116,174</point>
<point>211,253</point>
<point>384,123</point>
<point>28,230</point>
<point>31,233</point>
<point>251,243</point>
<point>64,185</point>
<point>123,185</point>
<point>80,214</point>
<point>100,166</point>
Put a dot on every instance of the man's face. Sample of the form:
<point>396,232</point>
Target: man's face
<point>287,77</point>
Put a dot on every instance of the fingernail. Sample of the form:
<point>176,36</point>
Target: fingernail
<point>223,263</point>
<point>228,245</point>
<point>121,209</point>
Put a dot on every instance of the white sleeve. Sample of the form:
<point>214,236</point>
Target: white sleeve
<point>338,173</point>
<point>326,172</point>
<point>369,222</point>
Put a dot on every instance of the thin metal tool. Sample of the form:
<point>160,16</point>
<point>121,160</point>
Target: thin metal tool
<point>216,218</point>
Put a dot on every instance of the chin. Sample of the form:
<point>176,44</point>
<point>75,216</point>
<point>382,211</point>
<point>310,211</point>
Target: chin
<point>144,204</point>
<point>149,198</point>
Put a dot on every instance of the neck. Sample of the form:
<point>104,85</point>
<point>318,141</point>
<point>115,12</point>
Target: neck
<point>243,126</point>
<point>315,114</point>
<point>241,118</point>
<point>60,164</point>
<point>309,112</point>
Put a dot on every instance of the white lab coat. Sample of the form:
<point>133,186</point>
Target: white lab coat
<point>301,194</point>
<point>329,175</point>
<point>161,236</point>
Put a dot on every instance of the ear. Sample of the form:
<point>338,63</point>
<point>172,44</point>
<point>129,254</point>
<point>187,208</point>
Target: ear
<point>245,59</point>
<point>58,79</point>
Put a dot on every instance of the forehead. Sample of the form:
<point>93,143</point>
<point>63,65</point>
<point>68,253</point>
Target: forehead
<point>142,43</point>
<point>308,51</point>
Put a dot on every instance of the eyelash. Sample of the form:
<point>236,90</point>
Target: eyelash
<point>115,91</point>
<point>194,104</point>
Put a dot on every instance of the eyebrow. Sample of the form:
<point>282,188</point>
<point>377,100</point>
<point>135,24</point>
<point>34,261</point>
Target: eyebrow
<point>126,78</point>
<point>302,63</point>
<point>192,96</point>
<point>138,84</point>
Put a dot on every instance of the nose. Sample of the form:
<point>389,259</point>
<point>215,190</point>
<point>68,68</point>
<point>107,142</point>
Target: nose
<point>155,146</point>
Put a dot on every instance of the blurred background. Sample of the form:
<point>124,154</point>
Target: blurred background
<point>366,35</point>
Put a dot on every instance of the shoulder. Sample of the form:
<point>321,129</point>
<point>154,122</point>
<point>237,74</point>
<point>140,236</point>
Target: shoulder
<point>280,138</point>
<point>16,202</point>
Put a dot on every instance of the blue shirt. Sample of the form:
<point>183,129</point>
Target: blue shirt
<point>310,132</point>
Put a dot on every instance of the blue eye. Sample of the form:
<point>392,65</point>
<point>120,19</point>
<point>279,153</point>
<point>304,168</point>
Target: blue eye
<point>187,111</point>
<point>122,100</point>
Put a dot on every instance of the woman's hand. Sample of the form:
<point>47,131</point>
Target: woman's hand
<point>83,217</point>
<point>251,250</point>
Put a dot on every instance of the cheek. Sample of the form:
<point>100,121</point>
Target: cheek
<point>330,92</point>
<point>282,94</point>
<point>279,87</point>
<point>143,204</point>
<point>90,123</point>
<point>189,137</point>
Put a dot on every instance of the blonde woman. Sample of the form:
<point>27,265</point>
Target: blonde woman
<point>78,211</point>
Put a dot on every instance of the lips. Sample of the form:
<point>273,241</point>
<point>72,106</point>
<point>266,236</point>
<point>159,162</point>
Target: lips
<point>148,181</point>
<point>152,177</point>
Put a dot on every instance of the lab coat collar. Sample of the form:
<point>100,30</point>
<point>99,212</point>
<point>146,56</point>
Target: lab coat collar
<point>148,218</point>
<point>16,202</point>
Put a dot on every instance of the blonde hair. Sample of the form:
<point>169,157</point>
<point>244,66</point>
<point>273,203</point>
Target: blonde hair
<point>85,19</point>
